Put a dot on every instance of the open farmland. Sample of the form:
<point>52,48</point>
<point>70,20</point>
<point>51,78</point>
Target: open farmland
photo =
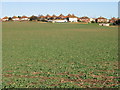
<point>61,55</point>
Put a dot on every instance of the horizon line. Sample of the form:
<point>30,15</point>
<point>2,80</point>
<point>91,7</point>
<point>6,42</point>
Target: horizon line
<point>58,15</point>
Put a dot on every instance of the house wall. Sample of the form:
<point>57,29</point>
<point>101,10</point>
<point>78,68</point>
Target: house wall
<point>92,19</point>
<point>113,21</point>
<point>73,19</point>
<point>57,20</point>
<point>24,19</point>
<point>102,20</point>
<point>4,19</point>
<point>60,20</point>
<point>85,20</point>
<point>15,19</point>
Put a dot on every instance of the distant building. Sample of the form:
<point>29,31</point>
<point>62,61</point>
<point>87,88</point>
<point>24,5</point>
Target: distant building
<point>53,17</point>
<point>14,18</point>
<point>101,20</point>
<point>41,17</point>
<point>47,16</point>
<point>71,18</point>
<point>84,19</point>
<point>33,18</point>
<point>113,20</point>
<point>61,16</point>
<point>24,18</point>
<point>58,20</point>
<point>5,18</point>
<point>92,19</point>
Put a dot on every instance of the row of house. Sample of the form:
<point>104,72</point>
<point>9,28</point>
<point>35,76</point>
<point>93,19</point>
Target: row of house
<point>60,18</point>
<point>14,18</point>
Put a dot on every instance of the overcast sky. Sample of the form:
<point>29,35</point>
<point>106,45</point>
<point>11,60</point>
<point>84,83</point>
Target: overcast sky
<point>90,9</point>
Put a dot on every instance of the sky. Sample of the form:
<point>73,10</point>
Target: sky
<point>90,9</point>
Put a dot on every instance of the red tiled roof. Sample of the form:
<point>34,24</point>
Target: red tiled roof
<point>71,16</point>
<point>41,16</point>
<point>101,18</point>
<point>14,17</point>
<point>54,15</point>
<point>48,15</point>
<point>24,17</point>
<point>85,17</point>
<point>5,18</point>
<point>113,18</point>
<point>61,15</point>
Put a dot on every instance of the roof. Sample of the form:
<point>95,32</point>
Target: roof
<point>5,17</point>
<point>54,15</point>
<point>41,16</point>
<point>101,18</point>
<point>85,17</point>
<point>61,15</point>
<point>48,15</point>
<point>113,18</point>
<point>24,17</point>
<point>71,16</point>
<point>14,17</point>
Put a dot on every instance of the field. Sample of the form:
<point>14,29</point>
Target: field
<point>59,55</point>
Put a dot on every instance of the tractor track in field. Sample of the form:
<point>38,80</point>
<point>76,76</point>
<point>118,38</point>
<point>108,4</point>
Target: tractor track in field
<point>105,80</point>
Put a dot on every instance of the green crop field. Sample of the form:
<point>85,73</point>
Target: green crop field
<point>59,55</point>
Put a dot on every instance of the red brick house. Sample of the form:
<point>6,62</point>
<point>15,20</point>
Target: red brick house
<point>113,20</point>
<point>84,19</point>
<point>101,20</point>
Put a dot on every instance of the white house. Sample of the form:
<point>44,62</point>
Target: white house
<point>108,20</point>
<point>58,20</point>
<point>72,19</point>
<point>24,18</point>
<point>14,18</point>
<point>92,19</point>
<point>5,19</point>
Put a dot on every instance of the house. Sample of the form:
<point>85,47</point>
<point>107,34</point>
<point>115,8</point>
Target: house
<point>33,18</point>
<point>58,20</point>
<point>14,18</point>
<point>48,16</point>
<point>71,18</point>
<point>41,17</point>
<point>61,16</point>
<point>84,19</point>
<point>24,18</point>
<point>5,18</point>
<point>113,20</point>
<point>92,20</point>
<point>61,20</point>
<point>101,20</point>
<point>54,17</point>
